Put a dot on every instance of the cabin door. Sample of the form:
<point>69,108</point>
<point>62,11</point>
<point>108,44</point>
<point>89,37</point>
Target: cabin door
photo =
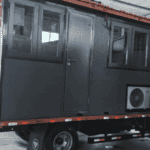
<point>79,45</point>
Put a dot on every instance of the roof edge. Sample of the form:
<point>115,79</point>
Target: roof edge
<point>104,8</point>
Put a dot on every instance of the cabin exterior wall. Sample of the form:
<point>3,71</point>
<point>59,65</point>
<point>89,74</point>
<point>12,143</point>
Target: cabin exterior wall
<point>108,86</point>
<point>31,90</point>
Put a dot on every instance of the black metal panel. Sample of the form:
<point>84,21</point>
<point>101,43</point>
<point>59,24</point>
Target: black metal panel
<point>108,85</point>
<point>78,51</point>
<point>31,90</point>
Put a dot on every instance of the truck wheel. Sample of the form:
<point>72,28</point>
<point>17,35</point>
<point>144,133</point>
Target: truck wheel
<point>61,138</point>
<point>24,135</point>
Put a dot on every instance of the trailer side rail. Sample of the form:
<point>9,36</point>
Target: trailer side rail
<point>92,140</point>
<point>69,119</point>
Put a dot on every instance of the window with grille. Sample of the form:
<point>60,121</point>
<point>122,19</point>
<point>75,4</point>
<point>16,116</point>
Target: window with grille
<point>129,47</point>
<point>140,47</point>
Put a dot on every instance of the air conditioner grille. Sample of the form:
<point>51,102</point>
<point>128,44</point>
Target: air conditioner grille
<point>136,97</point>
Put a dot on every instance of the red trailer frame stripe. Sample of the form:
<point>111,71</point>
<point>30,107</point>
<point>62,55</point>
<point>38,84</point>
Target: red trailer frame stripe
<point>69,119</point>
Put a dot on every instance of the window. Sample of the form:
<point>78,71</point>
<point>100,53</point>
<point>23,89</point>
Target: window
<point>50,30</point>
<point>140,48</point>
<point>128,47</point>
<point>119,45</point>
<point>22,29</point>
<point>50,34</point>
<point>35,31</point>
<point>139,41</point>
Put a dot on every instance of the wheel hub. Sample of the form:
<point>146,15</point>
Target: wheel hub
<point>59,141</point>
<point>63,141</point>
<point>35,144</point>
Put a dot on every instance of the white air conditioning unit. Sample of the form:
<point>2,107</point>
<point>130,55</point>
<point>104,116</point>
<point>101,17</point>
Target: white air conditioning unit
<point>138,97</point>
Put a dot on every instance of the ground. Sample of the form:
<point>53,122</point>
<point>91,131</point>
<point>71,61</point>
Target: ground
<point>10,141</point>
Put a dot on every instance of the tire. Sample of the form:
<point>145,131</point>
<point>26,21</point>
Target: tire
<point>24,135</point>
<point>55,138</point>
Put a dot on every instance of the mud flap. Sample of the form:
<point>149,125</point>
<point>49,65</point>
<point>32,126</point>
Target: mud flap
<point>36,141</point>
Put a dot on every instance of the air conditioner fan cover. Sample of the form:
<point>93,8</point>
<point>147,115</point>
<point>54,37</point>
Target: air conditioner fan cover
<point>136,97</point>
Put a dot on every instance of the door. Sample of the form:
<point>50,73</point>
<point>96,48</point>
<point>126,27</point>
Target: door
<point>79,46</point>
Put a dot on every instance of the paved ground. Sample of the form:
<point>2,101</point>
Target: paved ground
<point>10,141</point>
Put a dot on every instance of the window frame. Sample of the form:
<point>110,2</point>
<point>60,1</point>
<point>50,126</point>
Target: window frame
<point>10,52</point>
<point>37,26</point>
<point>147,55</point>
<point>59,56</point>
<point>132,29</point>
<point>127,60</point>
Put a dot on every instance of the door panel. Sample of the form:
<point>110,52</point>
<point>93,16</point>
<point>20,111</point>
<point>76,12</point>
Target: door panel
<point>78,72</point>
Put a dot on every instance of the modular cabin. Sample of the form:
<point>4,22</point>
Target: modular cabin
<point>74,58</point>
